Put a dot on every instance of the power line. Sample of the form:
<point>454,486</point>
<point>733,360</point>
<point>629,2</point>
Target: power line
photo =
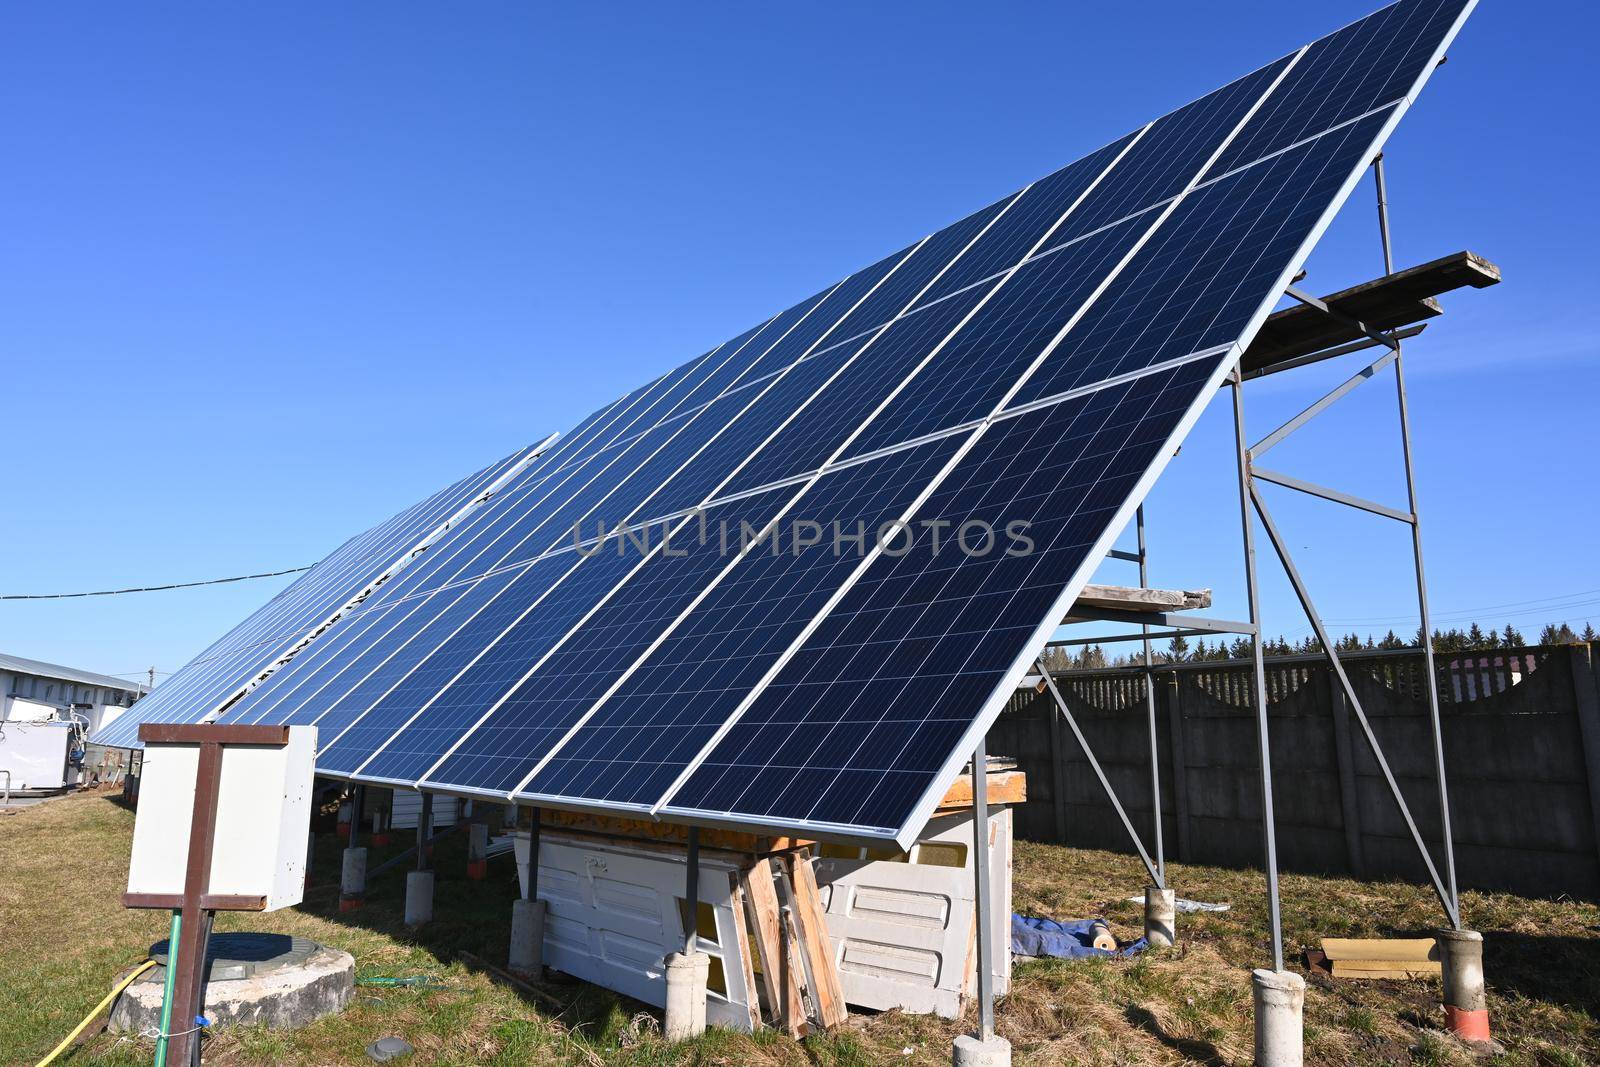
<point>151,588</point>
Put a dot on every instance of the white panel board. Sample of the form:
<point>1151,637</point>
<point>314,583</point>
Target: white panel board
<point>263,817</point>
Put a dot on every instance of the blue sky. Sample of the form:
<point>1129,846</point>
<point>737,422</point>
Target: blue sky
<point>273,273</point>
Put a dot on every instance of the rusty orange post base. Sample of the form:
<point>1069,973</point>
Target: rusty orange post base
<point>477,870</point>
<point>351,903</point>
<point>342,829</point>
<point>380,839</point>
<point>1467,1025</point>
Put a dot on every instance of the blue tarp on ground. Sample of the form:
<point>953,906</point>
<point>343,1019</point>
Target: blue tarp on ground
<point>1032,936</point>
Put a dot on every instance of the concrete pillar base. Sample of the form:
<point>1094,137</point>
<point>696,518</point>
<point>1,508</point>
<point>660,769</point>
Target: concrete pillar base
<point>419,898</point>
<point>1466,1000</point>
<point>1160,917</point>
<point>968,1051</point>
<point>1280,999</point>
<point>353,879</point>
<point>527,938</point>
<point>478,851</point>
<point>686,995</point>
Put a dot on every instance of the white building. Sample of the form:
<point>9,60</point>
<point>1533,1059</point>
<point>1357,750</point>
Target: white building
<point>33,691</point>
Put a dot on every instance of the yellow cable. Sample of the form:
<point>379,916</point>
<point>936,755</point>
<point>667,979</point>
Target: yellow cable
<point>98,1008</point>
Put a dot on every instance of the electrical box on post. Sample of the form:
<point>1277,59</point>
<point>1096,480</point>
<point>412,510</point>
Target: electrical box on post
<point>263,798</point>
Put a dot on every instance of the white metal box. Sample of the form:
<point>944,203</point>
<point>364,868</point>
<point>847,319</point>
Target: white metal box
<point>263,817</point>
<point>35,752</point>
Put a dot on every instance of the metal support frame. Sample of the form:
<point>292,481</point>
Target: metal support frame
<point>983,897</point>
<point>1251,498</point>
<point>1157,875</point>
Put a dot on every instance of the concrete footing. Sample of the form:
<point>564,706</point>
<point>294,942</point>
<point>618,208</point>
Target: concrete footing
<point>380,828</point>
<point>1280,998</point>
<point>478,851</point>
<point>1160,917</point>
<point>1466,1003</point>
<point>968,1051</point>
<point>527,938</point>
<point>686,995</point>
<point>419,897</point>
<point>342,827</point>
<point>279,998</point>
<point>353,879</point>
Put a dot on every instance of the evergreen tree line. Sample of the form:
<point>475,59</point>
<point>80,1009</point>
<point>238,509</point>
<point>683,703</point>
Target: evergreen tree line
<point>1181,650</point>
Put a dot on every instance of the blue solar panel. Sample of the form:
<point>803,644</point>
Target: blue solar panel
<point>1035,362</point>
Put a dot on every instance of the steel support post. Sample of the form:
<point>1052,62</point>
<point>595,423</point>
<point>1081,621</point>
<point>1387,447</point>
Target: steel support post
<point>1424,616</point>
<point>691,892</point>
<point>358,797</point>
<point>1150,710</point>
<point>1264,746</point>
<point>1156,876</point>
<point>982,895</point>
<point>424,830</point>
<point>533,857</point>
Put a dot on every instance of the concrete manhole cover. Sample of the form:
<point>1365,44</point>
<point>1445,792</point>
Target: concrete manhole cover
<point>271,980</point>
<point>235,957</point>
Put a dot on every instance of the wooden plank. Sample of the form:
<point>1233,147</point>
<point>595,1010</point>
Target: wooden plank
<point>778,978</point>
<point>648,830</point>
<point>1412,949</point>
<point>811,926</point>
<point>741,929</point>
<point>1135,598</point>
<point>181,733</point>
<point>1005,787</point>
<point>1383,303</point>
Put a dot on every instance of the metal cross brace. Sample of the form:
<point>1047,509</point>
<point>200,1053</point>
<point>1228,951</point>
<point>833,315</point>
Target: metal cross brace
<point>1105,783</point>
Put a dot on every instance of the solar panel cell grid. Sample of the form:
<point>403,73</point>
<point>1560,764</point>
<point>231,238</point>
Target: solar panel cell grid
<point>969,376</point>
<point>897,671</point>
<point>1366,65</point>
<point>667,709</point>
<point>1032,217</point>
<point>1203,275</point>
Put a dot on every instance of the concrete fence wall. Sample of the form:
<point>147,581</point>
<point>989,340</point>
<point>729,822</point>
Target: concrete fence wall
<point>1522,757</point>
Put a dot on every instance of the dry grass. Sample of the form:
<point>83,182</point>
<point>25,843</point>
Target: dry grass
<point>63,938</point>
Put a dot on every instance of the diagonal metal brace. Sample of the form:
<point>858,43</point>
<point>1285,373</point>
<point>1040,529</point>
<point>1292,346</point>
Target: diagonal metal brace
<point>1105,783</point>
<point>1337,496</point>
<point>1322,306</point>
<point>1276,437</point>
<point>1350,695</point>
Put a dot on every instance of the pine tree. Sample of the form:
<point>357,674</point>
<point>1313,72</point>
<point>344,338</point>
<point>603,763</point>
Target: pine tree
<point>1557,635</point>
<point>1513,637</point>
<point>1474,638</point>
<point>1178,649</point>
<point>1588,632</point>
<point>1390,641</point>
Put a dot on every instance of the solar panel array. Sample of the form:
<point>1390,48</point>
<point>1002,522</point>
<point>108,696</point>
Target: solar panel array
<point>1037,361</point>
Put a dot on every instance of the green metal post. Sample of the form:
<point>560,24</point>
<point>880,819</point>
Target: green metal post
<point>166,992</point>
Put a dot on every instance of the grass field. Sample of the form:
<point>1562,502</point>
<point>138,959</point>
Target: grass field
<point>64,938</point>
